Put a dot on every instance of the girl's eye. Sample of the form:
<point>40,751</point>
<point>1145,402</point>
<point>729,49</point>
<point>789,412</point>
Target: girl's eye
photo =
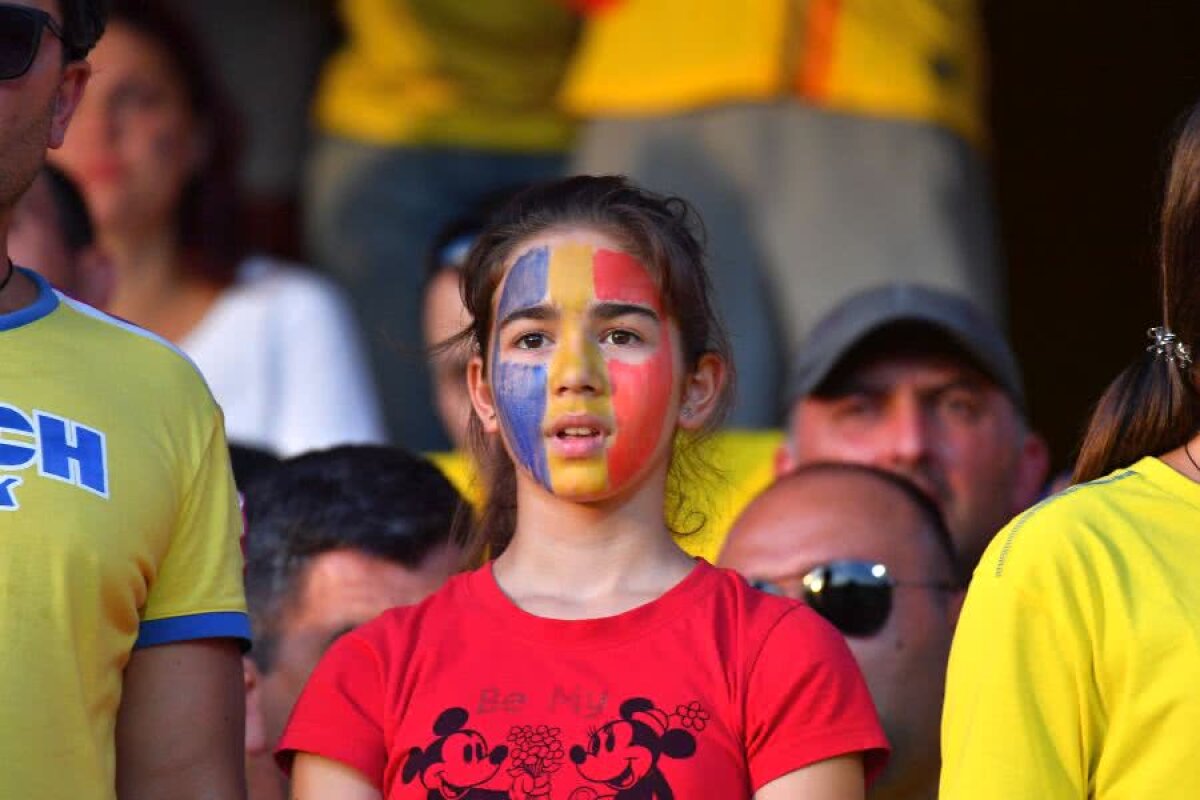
<point>621,337</point>
<point>531,341</point>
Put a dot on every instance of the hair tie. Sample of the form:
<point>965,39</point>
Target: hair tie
<point>1167,345</point>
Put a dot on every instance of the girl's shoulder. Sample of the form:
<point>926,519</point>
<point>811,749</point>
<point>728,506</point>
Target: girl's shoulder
<point>755,622</point>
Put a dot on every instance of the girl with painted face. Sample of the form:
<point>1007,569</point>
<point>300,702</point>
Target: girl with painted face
<point>588,657</point>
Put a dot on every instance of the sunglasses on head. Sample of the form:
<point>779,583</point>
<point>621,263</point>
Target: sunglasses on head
<point>20,37</point>
<point>856,596</point>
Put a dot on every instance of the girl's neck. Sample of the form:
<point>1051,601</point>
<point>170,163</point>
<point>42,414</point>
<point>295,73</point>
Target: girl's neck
<point>152,287</point>
<point>583,560</point>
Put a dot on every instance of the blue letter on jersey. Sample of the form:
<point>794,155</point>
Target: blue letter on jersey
<point>72,453</point>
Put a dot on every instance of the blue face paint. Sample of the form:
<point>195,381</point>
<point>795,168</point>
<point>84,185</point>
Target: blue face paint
<point>519,390</point>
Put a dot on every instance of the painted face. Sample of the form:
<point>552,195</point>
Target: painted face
<point>583,368</point>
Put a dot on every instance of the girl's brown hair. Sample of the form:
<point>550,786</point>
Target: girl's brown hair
<point>661,232</point>
<point>1153,407</point>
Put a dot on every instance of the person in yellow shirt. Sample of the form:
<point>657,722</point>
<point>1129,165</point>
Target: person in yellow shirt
<point>424,109</point>
<point>1074,667</point>
<point>829,145</point>
<point>121,601</point>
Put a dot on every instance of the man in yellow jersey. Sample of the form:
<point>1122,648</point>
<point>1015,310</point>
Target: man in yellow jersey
<point>920,382</point>
<point>870,552</point>
<point>121,604</point>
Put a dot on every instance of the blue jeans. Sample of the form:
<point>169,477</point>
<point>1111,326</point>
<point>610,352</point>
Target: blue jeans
<point>371,214</point>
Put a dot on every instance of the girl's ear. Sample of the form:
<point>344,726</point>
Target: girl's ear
<point>701,392</point>
<point>481,395</point>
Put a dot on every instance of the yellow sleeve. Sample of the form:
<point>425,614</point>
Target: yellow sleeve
<point>197,590</point>
<point>1021,710</point>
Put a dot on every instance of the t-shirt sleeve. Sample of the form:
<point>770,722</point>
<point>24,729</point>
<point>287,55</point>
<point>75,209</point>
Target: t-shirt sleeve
<point>197,591</point>
<point>806,701</point>
<point>1019,687</point>
<point>340,713</point>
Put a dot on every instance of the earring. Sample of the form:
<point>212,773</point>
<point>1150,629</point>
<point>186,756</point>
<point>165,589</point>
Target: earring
<point>686,412</point>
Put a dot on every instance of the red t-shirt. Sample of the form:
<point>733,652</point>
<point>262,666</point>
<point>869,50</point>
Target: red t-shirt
<point>710,691</point>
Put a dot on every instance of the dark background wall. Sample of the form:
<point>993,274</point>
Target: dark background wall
<point>1084,100</point>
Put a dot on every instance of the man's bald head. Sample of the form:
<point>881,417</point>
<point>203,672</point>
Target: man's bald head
<point>826,513</point>
<point>851,501</point>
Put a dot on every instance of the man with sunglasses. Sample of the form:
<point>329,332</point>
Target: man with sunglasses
<point>121,603</point>
<point>870,552</point>
<point>919,382</point>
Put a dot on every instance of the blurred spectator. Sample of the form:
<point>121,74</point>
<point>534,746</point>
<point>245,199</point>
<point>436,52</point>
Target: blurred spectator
<point>335,538</point>
<point>52,234</point>
<point>919,382</point>
<point>154,153</point>
<point>829,145</point>
<point>426,108</point>
<point>444,316</point>
<point>267,54</point>
<point>871,553</point>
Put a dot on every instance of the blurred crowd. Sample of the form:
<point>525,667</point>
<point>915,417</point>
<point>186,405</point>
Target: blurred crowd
<point>880,437</point>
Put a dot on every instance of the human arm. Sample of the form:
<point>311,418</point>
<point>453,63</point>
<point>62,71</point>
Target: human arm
<point>338,718</point>
<point>180,727</point>
<point>839,778</point>
<point>317,778</point>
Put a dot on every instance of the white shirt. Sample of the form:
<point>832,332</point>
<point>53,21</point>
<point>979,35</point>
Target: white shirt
<point>281,352</point>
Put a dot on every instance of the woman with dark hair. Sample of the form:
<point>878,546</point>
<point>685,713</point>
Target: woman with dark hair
<point>588,657</point>
<point>154,150</point>
<point>1075,665</point>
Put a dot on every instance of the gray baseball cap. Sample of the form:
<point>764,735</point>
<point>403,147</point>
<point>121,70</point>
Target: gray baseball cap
<point>861,314</point>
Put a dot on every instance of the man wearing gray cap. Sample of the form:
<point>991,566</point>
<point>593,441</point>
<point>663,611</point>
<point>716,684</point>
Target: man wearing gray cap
<point>917,381</point>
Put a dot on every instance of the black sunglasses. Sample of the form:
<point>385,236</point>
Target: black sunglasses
<point>856,596</point>
<point>20,37</point>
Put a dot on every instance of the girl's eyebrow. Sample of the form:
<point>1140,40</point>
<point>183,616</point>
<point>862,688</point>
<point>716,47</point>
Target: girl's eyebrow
<point>605,310</point>
<point>611,310</point>
<point>541,312</point>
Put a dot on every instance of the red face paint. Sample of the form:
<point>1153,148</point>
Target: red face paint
<point>641,390</point>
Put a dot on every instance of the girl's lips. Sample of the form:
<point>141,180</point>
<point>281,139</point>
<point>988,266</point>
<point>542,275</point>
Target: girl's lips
<point>575,446</point>
<point>578,436</point>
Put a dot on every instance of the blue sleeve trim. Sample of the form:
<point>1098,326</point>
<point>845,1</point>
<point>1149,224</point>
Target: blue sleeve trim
<point>213,625</point>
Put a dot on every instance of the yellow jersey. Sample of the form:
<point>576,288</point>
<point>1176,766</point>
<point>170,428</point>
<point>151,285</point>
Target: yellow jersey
<point>119,528</point>
<point>920,60</point>
<point>1075,664</point>
<point>452,73</point>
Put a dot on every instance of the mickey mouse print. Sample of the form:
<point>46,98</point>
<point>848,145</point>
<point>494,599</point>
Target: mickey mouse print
<point>627,758</point>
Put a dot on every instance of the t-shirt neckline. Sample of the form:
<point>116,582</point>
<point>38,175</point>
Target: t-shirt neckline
<point>597,632</point>
<point>42,306</point>
<point>1163,474</point>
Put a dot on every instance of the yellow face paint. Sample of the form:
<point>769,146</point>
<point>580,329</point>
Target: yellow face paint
<point>582,367</point>
<point>577,364</point>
